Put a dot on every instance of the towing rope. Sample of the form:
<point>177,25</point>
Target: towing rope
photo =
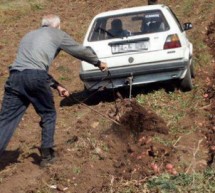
<point>103,115</point>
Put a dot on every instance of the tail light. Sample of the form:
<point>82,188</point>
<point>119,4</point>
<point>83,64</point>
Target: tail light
<point>172,41</point>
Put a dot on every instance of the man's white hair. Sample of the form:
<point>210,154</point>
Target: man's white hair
<point>51,21</point>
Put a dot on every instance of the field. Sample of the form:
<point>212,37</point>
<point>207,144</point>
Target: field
<point>165,142</point>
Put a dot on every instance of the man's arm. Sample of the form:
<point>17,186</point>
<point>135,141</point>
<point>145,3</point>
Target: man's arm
<point>63,92</point>
<point>77,50</point>
<point>52,82</point>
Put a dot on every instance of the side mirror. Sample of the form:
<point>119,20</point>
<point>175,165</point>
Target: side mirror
<point>187,26</point>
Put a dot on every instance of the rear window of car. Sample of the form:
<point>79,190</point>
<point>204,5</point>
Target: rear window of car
<point>131,24</point>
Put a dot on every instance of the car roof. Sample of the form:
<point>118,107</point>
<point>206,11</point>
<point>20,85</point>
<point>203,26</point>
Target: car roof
<point>131,10</point>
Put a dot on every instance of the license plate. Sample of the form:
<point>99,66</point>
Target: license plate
<point>129,47</point>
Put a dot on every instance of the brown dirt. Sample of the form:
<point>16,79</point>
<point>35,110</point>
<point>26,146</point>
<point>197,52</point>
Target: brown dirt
<point>210,40</point>
<point>93,152</point>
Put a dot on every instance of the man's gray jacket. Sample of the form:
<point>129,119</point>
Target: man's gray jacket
<point>38,48</point>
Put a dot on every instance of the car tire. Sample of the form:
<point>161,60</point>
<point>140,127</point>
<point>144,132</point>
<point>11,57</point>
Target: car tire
<point>192,70</point>
<point>186,82</point>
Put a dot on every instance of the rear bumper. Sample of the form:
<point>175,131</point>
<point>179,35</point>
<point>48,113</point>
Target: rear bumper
<point>141,74</point>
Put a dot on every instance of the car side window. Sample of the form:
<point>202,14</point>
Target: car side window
<point>98,30</point>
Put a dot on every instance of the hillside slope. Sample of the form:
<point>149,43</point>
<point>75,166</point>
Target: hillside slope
<point>95,154</point>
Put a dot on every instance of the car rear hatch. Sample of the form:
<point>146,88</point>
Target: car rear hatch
<point>143,42</point>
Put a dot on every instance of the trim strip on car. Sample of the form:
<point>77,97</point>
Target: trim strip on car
<point>139,69</point>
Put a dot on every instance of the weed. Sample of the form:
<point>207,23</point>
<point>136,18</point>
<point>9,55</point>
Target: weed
<point>187,7</point>
<point>11,11</point>
<point>132,186</point>
<point>205,8</point>
<point>105,148</point>
<point>66,78</point>
<point>76,170</point>
<point>35,6</point>
<point>63,69</point>
<point>45,190</point>
<point>197,182</point>
<point>94,157</point>
<point>127,190</point>
<point>65,72</point>
<point>159,139</point>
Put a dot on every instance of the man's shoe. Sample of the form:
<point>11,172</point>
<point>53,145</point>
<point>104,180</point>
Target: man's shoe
<point>48,157</point>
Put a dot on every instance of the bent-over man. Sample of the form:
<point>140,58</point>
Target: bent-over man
<point>29,82</point>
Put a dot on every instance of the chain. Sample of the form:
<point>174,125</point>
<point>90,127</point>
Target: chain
<point>110,81</point>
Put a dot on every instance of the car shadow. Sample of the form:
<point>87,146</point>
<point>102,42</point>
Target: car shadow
<point>9,157</point>
<point>110,95</point>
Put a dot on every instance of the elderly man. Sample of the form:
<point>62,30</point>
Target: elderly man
<point>29,82</point>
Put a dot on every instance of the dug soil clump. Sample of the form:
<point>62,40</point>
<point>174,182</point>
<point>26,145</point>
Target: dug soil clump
<point>138,119</point>
<point>139,126</point>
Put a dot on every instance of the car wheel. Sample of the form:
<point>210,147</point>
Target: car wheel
<point>186,82</point>
<point>192,70</point>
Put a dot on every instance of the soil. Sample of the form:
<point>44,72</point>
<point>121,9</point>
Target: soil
<point>105,139</point>
<point>210,39</point>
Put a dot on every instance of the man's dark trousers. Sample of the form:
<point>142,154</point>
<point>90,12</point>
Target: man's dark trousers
<point>21,89</point>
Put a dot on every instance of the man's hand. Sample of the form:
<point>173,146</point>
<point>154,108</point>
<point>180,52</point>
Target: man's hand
<point>103,66</point>
<point>62,91</point>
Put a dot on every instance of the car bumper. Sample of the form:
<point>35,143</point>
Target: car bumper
<point>140,73</point>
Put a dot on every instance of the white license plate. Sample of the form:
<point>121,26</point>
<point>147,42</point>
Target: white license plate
<point>129,47</point>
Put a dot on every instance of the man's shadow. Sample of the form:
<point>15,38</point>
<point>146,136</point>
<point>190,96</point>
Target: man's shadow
<point>9,157</point>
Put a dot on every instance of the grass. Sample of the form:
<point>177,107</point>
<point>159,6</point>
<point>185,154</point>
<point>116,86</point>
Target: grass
<point>13,10</point>
<point>65,73</point>
<point>160,140</point>
<point>131,186</point>
<point>187,6</point>
<point>172,107</point>
<point>21,4</point>
<point>36,5</point>
<point>192,183</point>
<point>76,170</point>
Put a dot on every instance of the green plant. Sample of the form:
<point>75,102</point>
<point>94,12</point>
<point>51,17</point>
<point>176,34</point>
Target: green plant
<point>76,170</point>
<point>159,139</point>
<point>187,6</point>
<point>192,183</point>
<point>36,4</point>
<point>105,147</point>
<point>66,78</point>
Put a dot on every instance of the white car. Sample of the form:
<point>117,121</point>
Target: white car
<point>140,45</point>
